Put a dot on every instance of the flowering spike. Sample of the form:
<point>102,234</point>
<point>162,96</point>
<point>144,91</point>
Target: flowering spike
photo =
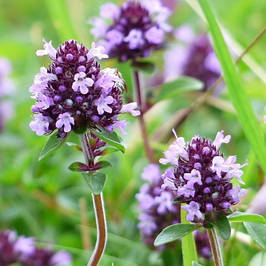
<point>136,28</point>
<point>74,93</point>
<point>201,179</point>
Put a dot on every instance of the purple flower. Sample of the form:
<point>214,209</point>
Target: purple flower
<point>194,58</point>
<point>82,83</point>
<point>193,211</point>
<point>65,120</point>
<point>203,244</point>
<point>136,28</point>
<point>157,208</point>
<point>6,89</point>
<point>201,177</point>
<point>131,108</point>
<point>74,93</point>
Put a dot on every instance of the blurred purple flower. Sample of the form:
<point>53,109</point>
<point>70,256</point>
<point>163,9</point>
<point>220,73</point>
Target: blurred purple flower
<point>157,208</point>
<point>201,177</point>
<point>74,92</point>
<point>6,89</point>
<point>135,30</point>
<point>203,244</point>
<point>193,56</point>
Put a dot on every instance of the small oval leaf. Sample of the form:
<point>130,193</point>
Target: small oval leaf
<point>257,232</point>
<point>246,217</point>
<point>78,167</point>
<point>51,145</point>
<point>174,232</point>
<point>103,164</point>
<point>144,66</point>
<point>175,88</point>
<point>223,226</point>
<point>95,181</point>
<point>110,138</point>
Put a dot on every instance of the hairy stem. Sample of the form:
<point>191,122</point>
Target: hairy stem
<point>143,128</point>
<point>215,247</point>
<point>98,209</point>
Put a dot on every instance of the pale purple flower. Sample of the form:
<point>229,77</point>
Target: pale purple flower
<point>61,258</point>
<point>154,35</point>
<point>220,139</point>
<point>97,51</point>
<point>107,79</point>
<point>212,63</point>
<point>121,126</point>
<point>25,245</point>
<point>40,124</point>
<point>44,102</point>
<point>147,224</point>
<point>115,37</point>
<point>193,178</point>
<point>110,10</point>
<point>82,83</point>
<point>131,108</point>
<point>48,50</point>
<point>237,193</point>
<point>175,150</point>
<point>103,104</point>
<point>43,77</point>
<point>134,39</point>
<point>185,34</point>
<point>65,120</point>
<point>99,27</point>
<point>151,173</point>
<point>165,202</point>
<point>193,211</point>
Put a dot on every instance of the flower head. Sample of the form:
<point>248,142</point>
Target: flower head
<point>201,177</point>
<point>74,93</point>
<point>193,57</point>
<point>136,28</point>
<point>6,88</point>
<point>157,207</point>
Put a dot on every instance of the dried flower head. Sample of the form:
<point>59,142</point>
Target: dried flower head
<point>157,207</point>
<point>136,28</point>
<point>74,93</point>
<point>201,177</point>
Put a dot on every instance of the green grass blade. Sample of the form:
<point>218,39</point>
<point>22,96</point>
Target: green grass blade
<point>188,245</point>
<point>61,19</point>
<point>238,94</point>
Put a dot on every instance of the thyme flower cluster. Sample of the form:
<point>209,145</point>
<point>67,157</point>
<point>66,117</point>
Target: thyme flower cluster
<point>74,93</point>
<point>201,176</point>
<point>157,208</point>
<point>22,250</point>
<point>136,28</point>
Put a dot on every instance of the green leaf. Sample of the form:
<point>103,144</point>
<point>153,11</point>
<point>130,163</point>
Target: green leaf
<point>223,226</point>
<point>95,181</point>
<point>111,138</point>
<point>194,263</point>
<point>257,232</point>
<point>103,164</point>
<point>189,251</point>
<point>246,217</point>
<point>177,87</point>
<point>174,232</point>
<point>238,94</point>
<point>144,66</point>
<point>72,144</point>
<point>61,19</point>
<point>51,145</point>
<point>78,167</point>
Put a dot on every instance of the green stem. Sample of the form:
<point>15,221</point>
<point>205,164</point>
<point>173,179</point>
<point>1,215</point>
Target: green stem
<point>215,247</point>
<point>98,209</point>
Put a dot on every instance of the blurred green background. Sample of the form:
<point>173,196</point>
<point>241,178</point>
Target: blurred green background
<point>44,199</point>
